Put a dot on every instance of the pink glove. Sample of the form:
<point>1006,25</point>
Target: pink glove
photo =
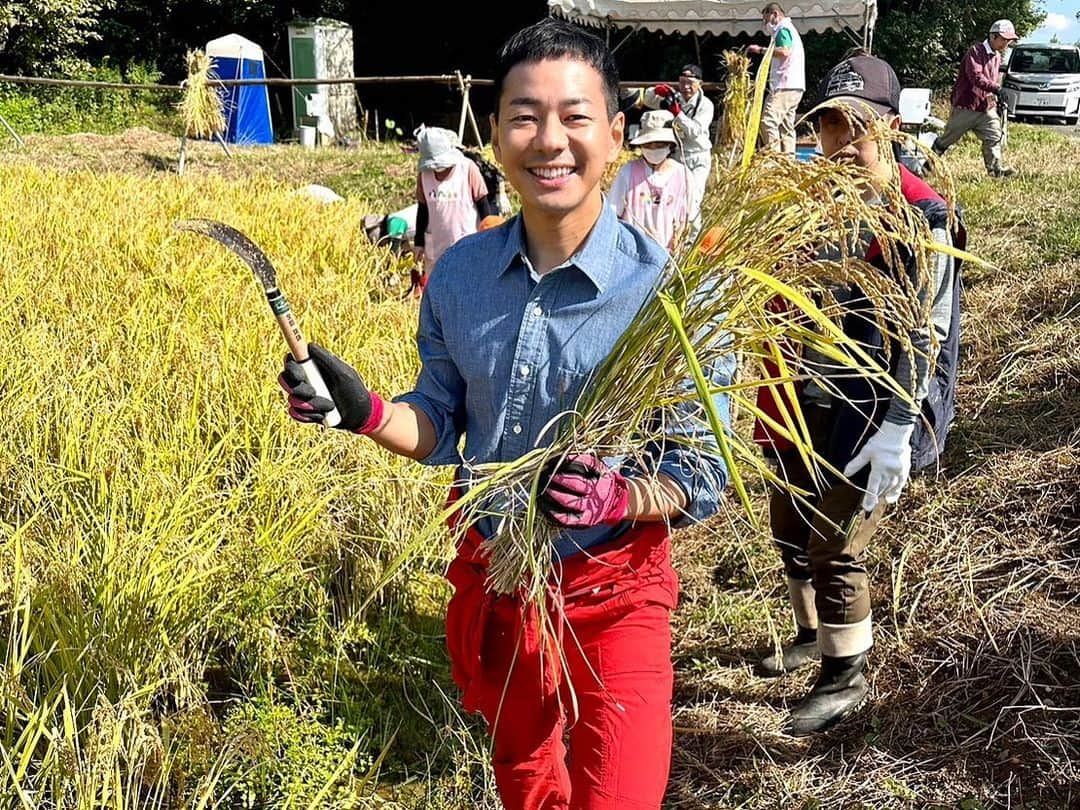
<point>582,491</point>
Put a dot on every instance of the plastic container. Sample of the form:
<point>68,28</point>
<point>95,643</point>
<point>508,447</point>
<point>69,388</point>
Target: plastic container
<point>307,136</point>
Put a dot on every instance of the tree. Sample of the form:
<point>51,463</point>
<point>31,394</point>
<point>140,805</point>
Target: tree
<point>162,31</point>
<point>38,36</point>
<point>924,40</point>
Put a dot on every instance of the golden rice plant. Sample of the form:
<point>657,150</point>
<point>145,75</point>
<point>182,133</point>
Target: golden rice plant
<point>160,515</point>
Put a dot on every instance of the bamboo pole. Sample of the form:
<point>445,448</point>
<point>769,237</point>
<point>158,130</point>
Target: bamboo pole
<point>276,82</point>
<point>464,106</point>
<point>464,85</point>
<point>224,146</point>
<point>12,132</point>
<point>472,120</point>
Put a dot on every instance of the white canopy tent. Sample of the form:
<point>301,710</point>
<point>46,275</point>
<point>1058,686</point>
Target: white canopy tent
<point>719,16</point>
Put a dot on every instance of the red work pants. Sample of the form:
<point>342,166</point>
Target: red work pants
<point>598,672</point>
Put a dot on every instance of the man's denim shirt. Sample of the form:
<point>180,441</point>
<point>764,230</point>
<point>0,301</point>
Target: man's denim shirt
<point>504,353</point>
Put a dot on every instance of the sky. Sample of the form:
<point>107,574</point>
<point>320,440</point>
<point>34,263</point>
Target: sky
<point>1060,20</point>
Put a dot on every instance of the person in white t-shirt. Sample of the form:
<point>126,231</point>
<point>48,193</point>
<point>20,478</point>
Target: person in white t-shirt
<point>656,193</point>
<point>787,80</point>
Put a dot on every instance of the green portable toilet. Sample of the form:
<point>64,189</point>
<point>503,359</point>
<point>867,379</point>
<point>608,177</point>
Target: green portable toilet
<point>322,49</point>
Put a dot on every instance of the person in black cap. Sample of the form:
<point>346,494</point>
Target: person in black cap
<point>875,437</point>
<point>693,116</point>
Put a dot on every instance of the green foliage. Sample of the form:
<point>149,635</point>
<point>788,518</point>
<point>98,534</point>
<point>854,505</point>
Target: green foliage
<point>922,39</point>
<point>925,39</point>
<point>164,30</point>
<point>281,757</point>
<point>38,36</point>
<point>63,110</point>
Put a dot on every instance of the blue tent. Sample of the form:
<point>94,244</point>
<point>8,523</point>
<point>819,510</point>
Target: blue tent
<point>247,107</point>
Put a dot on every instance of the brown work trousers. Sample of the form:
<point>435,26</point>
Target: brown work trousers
<point>823,538</point>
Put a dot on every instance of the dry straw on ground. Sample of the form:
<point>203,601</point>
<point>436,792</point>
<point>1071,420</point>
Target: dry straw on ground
<point>975,578</point>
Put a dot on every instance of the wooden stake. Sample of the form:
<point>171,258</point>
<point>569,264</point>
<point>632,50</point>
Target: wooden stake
<point>14,134</point>
<point>464,105</point>
<point>472,116</point>
<point>218,137</point>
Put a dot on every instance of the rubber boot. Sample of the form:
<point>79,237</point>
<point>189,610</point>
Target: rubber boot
<point>803,650</point>
<point>839,690</point>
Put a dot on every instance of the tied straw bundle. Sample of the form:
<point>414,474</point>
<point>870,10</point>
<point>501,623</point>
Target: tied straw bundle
<point>201,107</point>
<point>770,218</point>
<point>736,101</point>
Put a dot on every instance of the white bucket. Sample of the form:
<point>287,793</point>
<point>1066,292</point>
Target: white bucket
<point>307,136</point>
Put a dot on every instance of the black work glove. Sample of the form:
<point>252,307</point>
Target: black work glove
<point>350,395</point>
<point>1001,96</point>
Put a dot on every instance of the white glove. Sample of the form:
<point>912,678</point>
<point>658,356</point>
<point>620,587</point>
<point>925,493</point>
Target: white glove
<point>888,452</point>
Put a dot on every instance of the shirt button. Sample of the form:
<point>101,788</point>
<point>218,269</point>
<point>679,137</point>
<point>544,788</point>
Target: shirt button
<point>524,371</point>
<point>517,429</point>
<point>538,311</point>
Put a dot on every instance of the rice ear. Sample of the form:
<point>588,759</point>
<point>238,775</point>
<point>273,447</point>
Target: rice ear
<point>753,124</point>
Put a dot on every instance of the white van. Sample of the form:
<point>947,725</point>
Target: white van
<point>1043,80</point>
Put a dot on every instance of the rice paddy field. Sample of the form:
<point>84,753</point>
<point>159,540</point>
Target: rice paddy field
<point>187,578</point>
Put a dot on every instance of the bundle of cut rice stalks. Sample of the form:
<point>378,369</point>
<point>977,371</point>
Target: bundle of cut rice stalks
<point>736,102</point>
<point>767,226</point>
<point>201,109</point>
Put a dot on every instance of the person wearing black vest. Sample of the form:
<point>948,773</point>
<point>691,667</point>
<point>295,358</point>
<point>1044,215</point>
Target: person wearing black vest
<point>858,426</point>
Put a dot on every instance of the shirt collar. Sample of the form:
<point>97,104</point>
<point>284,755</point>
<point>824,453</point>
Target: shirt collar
<point>595,258</point>
<point>986,44</point>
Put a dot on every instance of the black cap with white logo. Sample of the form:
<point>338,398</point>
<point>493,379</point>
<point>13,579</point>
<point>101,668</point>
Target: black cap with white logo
<point>862,82</point>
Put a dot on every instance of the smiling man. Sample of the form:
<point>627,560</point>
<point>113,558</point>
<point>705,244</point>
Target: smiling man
<point>512,324</point>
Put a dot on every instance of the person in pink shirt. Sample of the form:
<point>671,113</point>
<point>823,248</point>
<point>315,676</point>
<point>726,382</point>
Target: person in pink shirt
<point>656,193</point>
<point>450,193</point>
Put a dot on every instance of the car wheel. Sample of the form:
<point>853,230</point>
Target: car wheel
<point>1072,121</point>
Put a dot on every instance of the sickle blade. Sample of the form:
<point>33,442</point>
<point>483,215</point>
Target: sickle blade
<point>238,243</point>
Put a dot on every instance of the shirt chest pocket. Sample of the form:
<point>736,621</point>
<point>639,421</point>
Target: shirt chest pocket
<point>565,387</point>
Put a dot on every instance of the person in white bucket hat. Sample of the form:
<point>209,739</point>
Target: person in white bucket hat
<point>656,193</point>
<point>451,196</point>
